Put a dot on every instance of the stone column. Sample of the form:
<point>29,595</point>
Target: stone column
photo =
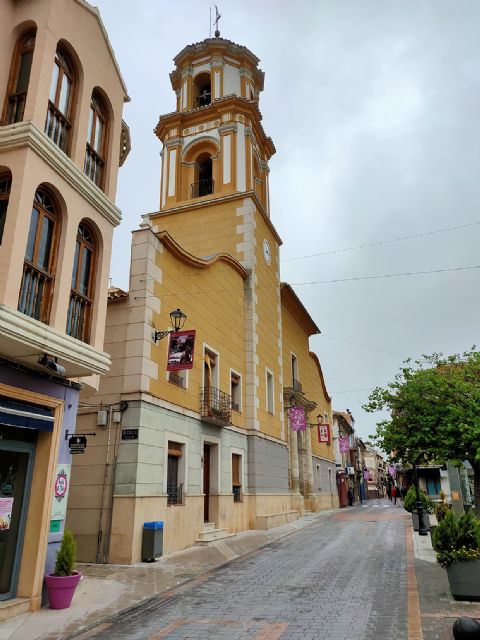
<point>308,453</point>
<point>295,473</point>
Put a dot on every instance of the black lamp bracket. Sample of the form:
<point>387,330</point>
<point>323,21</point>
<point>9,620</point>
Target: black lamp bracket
<point>159,335</point>
<point>69,434</point>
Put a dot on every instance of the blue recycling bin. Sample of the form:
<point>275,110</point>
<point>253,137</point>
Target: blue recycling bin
<point>152,541</point>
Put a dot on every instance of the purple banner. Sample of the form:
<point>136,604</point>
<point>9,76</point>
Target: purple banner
<point>367,475</point>
<point>298,421</point>
<point>392,471</point>
<point>344,444</point>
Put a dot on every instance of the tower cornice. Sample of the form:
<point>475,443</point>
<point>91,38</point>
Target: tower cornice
<point>216,109</point>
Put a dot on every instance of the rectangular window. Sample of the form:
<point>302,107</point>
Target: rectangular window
<point>236,391</point>
<point>269,383</point>
<point>237,477</point>
<point>5,184</point>
<point>319,478</point>
<point>294,370</point>
<point>175,473</point>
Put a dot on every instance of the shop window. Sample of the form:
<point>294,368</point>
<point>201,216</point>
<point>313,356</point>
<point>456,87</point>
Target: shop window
<point>237,477</point>
<point>5,186</point>
<point>175,473</point>
<point>236,391</point>
<point>19,78</point>
<point>40,258</point>
<point>58,125</point>
<point>81,294</point>
<point>94,166</point>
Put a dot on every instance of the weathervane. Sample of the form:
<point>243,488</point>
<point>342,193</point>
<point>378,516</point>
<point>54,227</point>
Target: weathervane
<point>215,22</point>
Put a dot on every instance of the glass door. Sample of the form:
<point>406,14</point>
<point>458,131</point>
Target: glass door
<point>15,477</point>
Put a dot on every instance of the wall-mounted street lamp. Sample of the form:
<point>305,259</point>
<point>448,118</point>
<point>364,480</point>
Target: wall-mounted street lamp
<point>177,319</point>
<point>293,401</point>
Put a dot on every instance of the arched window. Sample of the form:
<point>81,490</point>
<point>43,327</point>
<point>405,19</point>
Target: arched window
<point>96,140</point>
<point>58,124</point>
<point>81,294</point>
<point>202,90</point>
<point>19,78</point>
<point>5,186</point>
<point>40,258</point>
<point>203,186</point>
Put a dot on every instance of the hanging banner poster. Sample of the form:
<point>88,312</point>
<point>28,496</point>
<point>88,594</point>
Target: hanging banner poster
<point>298,421</point>
<point>344,444</point>
<point>180,350</point>
<point>392,471</point>
<point>6,506</point>
<point>60,495</point>
<point>324,433</point>
<point>367,475</point>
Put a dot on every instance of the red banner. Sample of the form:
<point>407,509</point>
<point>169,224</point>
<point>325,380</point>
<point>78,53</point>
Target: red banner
<point>180,350</point>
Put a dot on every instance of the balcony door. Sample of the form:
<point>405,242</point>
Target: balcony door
<point>16,462</point>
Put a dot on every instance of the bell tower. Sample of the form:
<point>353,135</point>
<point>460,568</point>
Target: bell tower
<point>214,198</point>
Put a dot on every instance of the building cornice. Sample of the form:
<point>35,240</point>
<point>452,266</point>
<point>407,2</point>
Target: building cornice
<point>23,339</point>
<point>27,134</point>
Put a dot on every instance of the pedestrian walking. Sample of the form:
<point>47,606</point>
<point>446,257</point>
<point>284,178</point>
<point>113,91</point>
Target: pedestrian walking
<point>389,492</point>
<point>351,496</point>
<point>394,494</point>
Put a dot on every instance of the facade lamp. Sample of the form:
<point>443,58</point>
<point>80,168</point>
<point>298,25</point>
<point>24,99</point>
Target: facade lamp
<point>177,318</point>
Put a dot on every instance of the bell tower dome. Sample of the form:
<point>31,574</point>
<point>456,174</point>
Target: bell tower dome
<point>214,144</point>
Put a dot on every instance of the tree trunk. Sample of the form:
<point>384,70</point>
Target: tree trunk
<point>476,485</point>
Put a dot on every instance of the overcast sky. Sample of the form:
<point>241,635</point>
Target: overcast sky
<point>374,109</point>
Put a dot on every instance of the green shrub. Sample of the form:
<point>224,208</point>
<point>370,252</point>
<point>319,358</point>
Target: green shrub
<point>411,499</point>
<point>457,539</point>
<point>441,508</point>
<point>66,555</point>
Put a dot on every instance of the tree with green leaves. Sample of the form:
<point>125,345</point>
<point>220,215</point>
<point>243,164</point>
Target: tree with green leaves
<point>434,407</point>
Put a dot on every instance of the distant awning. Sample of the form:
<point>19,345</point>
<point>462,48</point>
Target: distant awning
<point>25,416</point>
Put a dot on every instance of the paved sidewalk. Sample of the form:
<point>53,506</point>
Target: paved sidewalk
<point>105,590</point>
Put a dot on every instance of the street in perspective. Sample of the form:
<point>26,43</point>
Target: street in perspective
<point>239,387</point>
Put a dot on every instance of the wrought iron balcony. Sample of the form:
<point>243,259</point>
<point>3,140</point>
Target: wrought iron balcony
<point>201,188</point>
<point>237,493</point>
<point>175,494</point>
<point>216,406</point>
<point>177,380</point>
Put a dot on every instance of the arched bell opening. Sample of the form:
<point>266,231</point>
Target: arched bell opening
<point>203,185</point>
<point>202,90</point>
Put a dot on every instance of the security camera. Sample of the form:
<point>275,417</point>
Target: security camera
<point>51,364</point>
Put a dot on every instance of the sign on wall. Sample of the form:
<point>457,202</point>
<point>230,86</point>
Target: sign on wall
<point>344,444</point>
<point>6,506</point>
<point>60,495</point>
<point>180,350</point>
<point>323,433</point>
<point>298,421</point>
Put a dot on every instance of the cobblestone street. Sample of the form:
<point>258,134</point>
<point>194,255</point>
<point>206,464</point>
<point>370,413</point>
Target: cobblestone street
<point>344,577</point>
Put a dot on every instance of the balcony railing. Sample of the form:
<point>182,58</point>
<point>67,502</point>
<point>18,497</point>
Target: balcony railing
<point>177,380</point>
<point>216,406</point>
<point>35,293</point>
<point>202,101</point>
<point>237,493</point>
<point>16,107</point>
<point>235,406</point>
<point>174,494</point>
<point>57,127</point>
<point>78,319</point>
<point>202,188</point>
<point>297,385</point>
<point>93,166</point>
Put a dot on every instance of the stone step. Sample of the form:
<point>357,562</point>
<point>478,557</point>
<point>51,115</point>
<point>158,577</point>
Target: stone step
<point>204,537</point>
<point>13,607</point>
<point>208,526</point>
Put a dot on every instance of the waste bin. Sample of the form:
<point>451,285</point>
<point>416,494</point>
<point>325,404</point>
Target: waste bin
<point>152,541</point>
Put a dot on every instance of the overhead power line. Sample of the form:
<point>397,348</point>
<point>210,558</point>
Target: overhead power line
<point>381,242</point>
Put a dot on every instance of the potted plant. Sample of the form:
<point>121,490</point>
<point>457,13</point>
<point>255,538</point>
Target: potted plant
<point>410,505</point>
<point>457,545</point>
<point>61,584</point>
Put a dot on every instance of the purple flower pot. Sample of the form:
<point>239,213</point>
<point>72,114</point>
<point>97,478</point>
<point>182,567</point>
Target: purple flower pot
<point>61,589</point>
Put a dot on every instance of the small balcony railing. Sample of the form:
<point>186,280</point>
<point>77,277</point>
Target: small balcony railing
<point>57,127</point>
<point>93,166</point>
<point>174,494</point>
<point>177,380</point>
<point>237,493</point>
<point>202,188</point>
<point>235,406</point>
<point>216,406</point>
<point>202,101</point>
<point>16,107</point>
<point>78,319</point>
<point>35,293</point>
<point>297,385</point>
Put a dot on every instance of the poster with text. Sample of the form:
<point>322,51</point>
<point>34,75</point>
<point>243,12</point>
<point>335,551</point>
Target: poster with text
<point>324,433</point>
<point>6,506</point>
<point>180,350</point>
<point>60,492</point>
